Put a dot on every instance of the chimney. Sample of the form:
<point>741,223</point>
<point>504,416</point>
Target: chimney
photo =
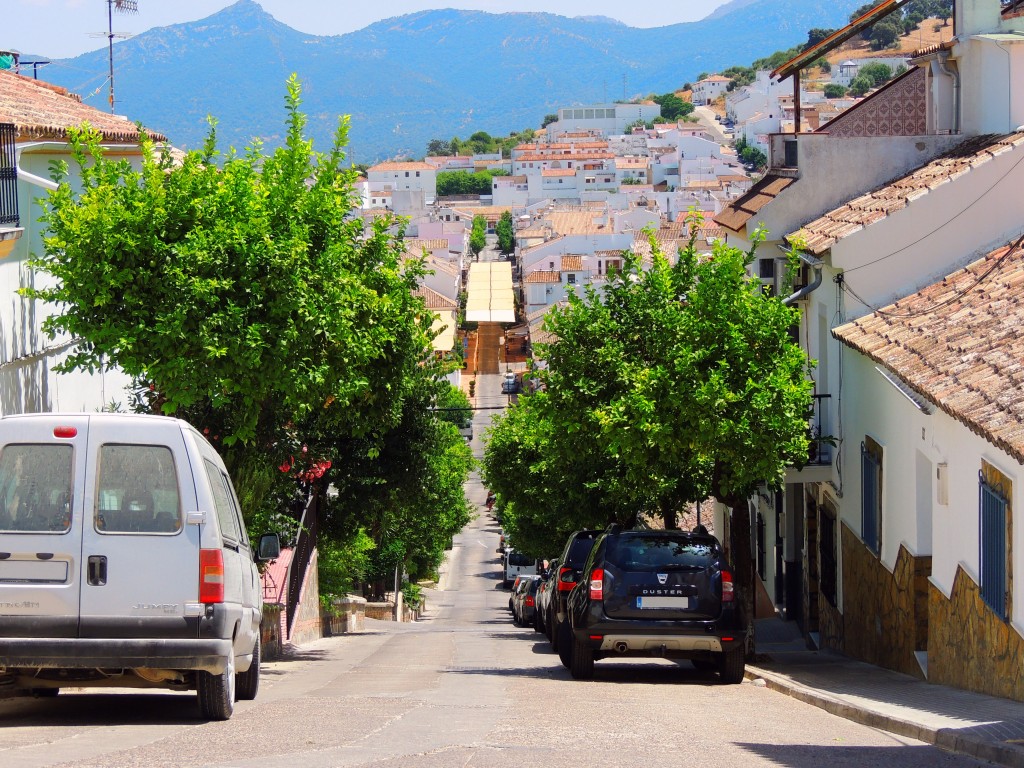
<point>972,17</point>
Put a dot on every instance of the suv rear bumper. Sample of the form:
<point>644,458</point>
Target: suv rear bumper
<point>206,654</point>
<point>660,643</point>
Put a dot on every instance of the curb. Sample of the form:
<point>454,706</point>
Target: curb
<point>947,739</point>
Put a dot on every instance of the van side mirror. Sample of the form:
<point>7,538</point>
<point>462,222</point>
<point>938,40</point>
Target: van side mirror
<point>269,547</point>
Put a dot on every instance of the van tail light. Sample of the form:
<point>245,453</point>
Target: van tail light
<point>65,432</point>
<point>597,584</point>
<point>728,592</point>
<point>529,602</point>
<point>211,576</point>
<point>565,580</point>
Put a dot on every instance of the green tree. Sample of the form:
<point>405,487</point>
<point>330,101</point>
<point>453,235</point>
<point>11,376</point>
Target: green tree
<point>680,382</point>
<point>505,233</point>
<point>860,85</point>
<point>438,148</point>
<point>834,91</point>
<point>478,235</point>
<point>876,72</point>
<point>672,106</point>
<point>548,120</point>
<point>236,288</point>
<point>816,35</point>
<point>466,183</point>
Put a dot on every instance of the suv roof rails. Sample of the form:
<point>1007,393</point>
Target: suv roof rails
<point>613,528</point>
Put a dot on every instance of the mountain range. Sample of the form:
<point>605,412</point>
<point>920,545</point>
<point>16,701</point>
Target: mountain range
<point>408,79</point>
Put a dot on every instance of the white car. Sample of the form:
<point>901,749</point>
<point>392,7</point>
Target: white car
<point>125,561</point>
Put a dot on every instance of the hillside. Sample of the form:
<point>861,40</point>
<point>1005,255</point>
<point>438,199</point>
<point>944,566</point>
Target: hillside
<point>411,78</point>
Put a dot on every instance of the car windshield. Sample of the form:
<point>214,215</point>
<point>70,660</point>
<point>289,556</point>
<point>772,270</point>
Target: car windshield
<point>652,552</point>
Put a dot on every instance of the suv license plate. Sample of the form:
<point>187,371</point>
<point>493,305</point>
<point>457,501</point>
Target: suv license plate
<point>664,602</point>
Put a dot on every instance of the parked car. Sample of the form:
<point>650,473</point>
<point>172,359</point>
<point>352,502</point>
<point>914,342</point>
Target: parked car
<point>524,601</point>
<point>548,584</point>
<point>125,560</point>
<point>574,555</point>
<point>509,384</point>
<point>516,564</point>
<point>656,593</point>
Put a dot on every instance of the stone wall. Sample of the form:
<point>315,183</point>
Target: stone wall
<point>970,647</point>
<point>306,623</point>
<point>347,616</point>
<point>885,614</point>
<point>270,632</point>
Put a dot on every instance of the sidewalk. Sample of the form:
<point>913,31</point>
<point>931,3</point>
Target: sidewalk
<point>984,727</point>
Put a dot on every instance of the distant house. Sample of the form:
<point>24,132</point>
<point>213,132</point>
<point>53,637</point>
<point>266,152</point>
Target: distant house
<point>604,119</point>
<point>394,176</point>
<point>710,88</point>
<point>34,118</point>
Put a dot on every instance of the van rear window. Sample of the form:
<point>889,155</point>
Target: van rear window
<point>35,488</point>
<point>519,560</point>
<point>137,490</point>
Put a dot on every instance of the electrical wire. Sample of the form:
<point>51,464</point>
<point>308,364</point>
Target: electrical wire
<point>955,297</point>
<point>945,223</point>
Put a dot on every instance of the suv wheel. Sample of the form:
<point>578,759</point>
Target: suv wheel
<point>582,661</point>
<point>217,692</point>
<point>564,636</point>
<point>731,665</point>
<point>248,683</point>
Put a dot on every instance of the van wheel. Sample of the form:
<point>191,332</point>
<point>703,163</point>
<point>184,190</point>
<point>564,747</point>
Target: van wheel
<point>217,692</point>
<point>248,683</point>
<point>582,661</point>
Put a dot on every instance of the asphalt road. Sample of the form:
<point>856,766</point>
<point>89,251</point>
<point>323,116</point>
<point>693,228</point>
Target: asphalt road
<point>462,687</point>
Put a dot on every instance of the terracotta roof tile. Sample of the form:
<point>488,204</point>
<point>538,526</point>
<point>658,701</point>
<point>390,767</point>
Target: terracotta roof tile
<point>822,233</point>
<point>40,110</point>
<point>396,166</point>
<point>572,263</point>
<point>435,300</point>
<point>544,276</point>
<point>957,344</point>
<point>737,213</point>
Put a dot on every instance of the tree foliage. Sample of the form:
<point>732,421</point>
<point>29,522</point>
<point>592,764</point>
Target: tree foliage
<point>672,107</point>
<point>466,183</point>
<point>242,295</point>
<point>877,72</point>
<point>679,383</point>
<point>478,235</point>
<point>505,233</point>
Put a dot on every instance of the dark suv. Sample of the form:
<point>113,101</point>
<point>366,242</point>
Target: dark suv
<point>656,593</point>
<point>570,565</point>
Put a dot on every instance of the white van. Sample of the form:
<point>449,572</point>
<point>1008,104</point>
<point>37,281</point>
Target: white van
<point>124,561</point>
<point>518,564</point>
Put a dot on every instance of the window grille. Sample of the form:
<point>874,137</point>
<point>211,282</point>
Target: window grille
<point>871,501</point>
<point>8,177</point>
<point>993,503</point>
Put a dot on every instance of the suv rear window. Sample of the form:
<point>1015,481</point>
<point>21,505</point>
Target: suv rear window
<point>578,551</point>
<point>35,488</point>
<point>640,553</point>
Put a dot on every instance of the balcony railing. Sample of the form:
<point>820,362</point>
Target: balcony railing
<point>821,448</point>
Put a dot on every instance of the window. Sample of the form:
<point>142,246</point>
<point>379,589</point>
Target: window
<point>137,490</point>
<point>871,494</point>
<point>760,545</point>
<point>572,278</point>
<point>222,501</point>
<point>417,174</point>
<point>8,176</point>
<point>994,522</point>
<point>766,268</point>
<point>829,556</point>
<point>407,174</point>
<point>35,488</point>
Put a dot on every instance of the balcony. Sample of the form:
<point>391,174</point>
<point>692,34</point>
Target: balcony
<point>10,230</point>
<point>821,451</point>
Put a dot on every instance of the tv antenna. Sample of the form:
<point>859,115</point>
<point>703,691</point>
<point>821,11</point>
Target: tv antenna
<point>121,6</point>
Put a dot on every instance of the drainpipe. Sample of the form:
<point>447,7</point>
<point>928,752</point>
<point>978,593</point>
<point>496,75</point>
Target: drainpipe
<point>31,178</point>
<point>816,265</point>
<point>954,75</point>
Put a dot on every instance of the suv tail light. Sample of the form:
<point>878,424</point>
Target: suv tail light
<point>565,579</point>
<point>597,584</point>
<point>211,576</point>
<point>728,592</point>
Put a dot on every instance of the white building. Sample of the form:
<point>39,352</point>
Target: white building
<point>605,119</point>
<point>395,176</point>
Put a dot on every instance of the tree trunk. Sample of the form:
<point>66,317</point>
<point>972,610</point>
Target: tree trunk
<point>668,514</point>
<point>743,565</point>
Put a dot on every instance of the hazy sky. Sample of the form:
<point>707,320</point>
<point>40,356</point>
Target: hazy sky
<point>65,28</point>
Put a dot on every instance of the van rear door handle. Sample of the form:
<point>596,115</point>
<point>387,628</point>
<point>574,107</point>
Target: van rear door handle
<point>97,570</point>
